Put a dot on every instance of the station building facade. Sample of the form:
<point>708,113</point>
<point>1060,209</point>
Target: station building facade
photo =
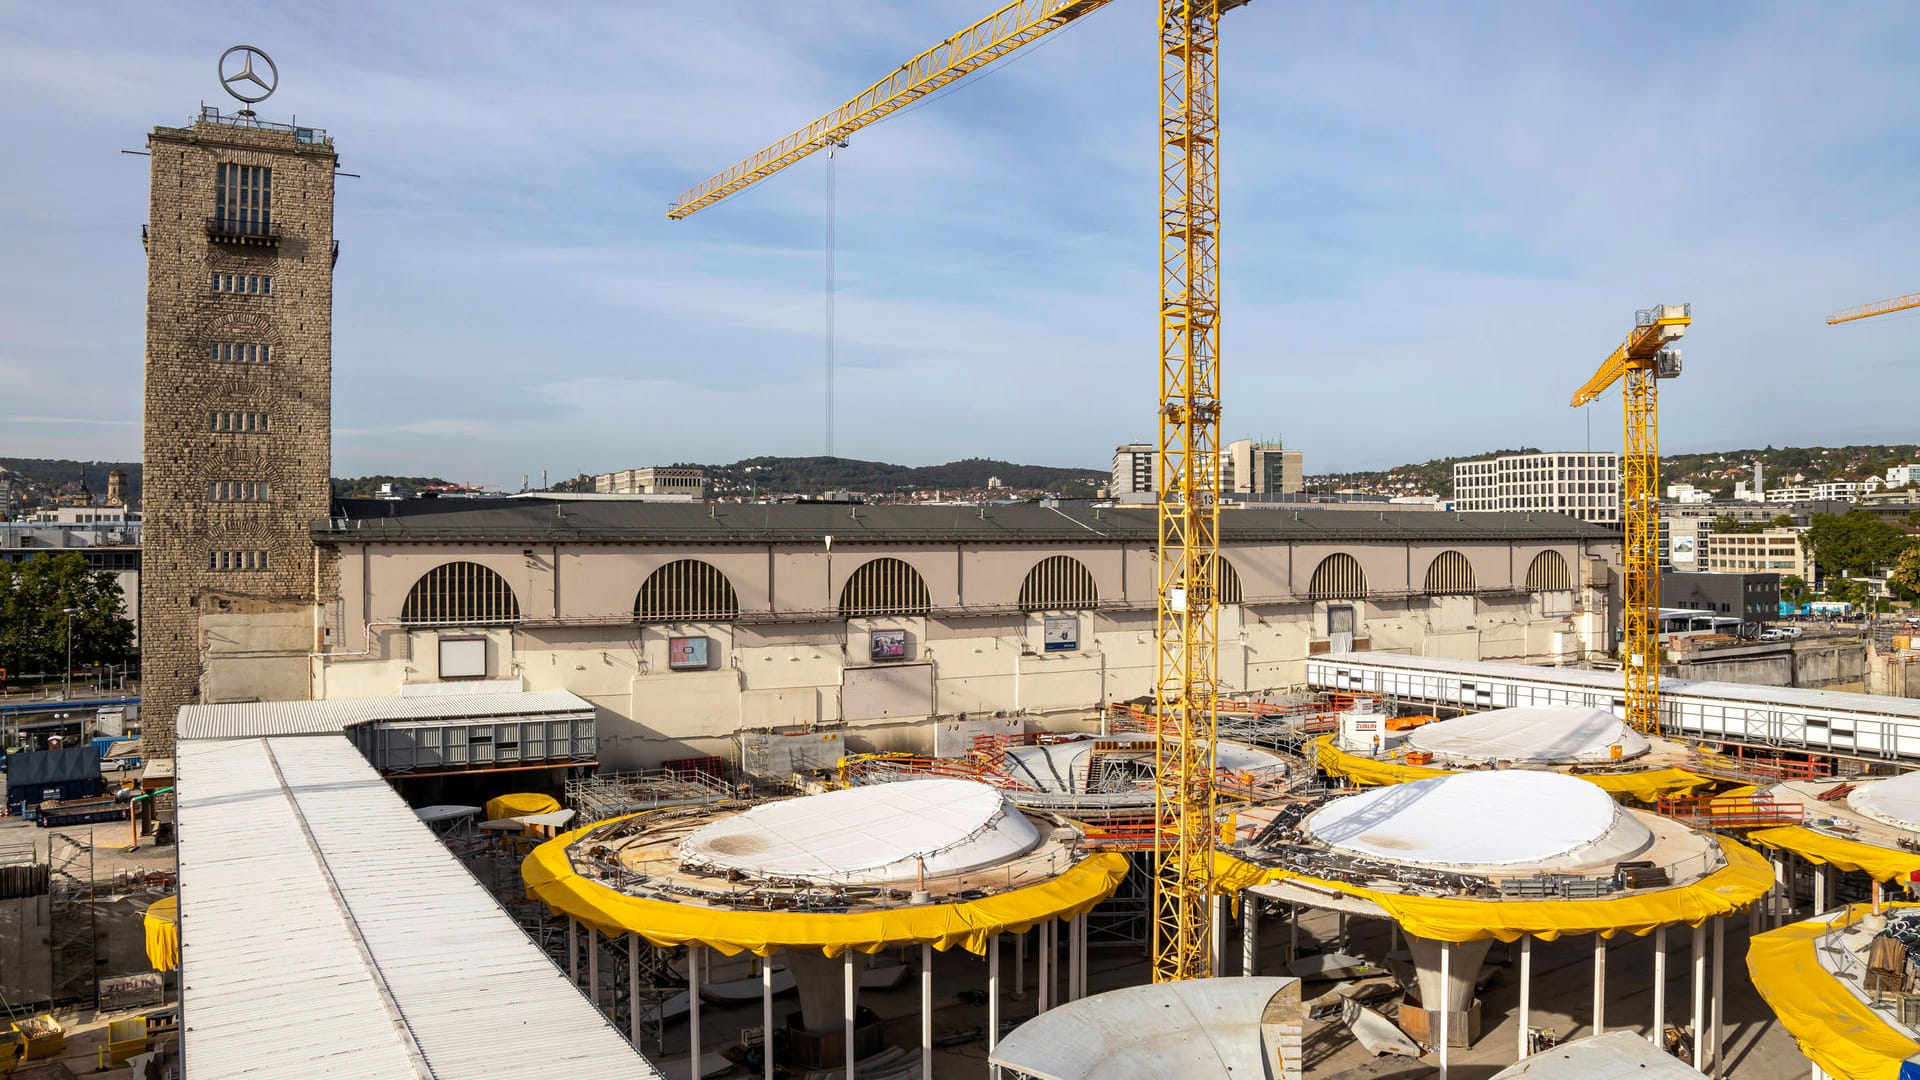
<point>687,624</point>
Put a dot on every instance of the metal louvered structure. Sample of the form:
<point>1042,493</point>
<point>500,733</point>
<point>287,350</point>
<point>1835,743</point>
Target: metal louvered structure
<point>884,587</point>
<point>1226,584</point>
<point>686,590</point>
<point>1548,573</point>
<point>1058,583</point>
<point>461,594</point>
<point>1338,577</point>
<point>1449,574</point>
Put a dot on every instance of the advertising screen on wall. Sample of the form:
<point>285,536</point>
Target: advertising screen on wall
<point>1062,633</point>
<point>887,645</point>
<point>463,658</point>
<point>687,653</point>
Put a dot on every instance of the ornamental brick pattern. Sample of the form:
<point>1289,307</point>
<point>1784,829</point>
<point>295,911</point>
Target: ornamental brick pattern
<point>183,585</point>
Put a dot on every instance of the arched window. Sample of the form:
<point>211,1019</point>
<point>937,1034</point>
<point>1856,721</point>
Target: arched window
<point>686,590</point>
<point>1548,573</point>
<point>1058,583</point>
<point>884,587</point>
<point>1226,583</point>
<point>461,593</point>
<point>1449,575</point>
<point>1338,577</point>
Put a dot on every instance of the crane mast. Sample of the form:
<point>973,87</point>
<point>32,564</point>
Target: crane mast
<point>1186,666</point>
<point>1639,363</point>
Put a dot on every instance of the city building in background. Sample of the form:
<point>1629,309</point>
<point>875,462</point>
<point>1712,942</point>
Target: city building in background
<point>1583,485</point>
<point>1751,598</point>
<point>1779,551</point>
<point>654,480</point>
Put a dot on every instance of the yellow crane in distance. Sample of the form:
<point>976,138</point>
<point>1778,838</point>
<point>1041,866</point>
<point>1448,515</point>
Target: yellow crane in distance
<point>1878,307</point>
<point>1642,360</point>
<point>1186,668</point>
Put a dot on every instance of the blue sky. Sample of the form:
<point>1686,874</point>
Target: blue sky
<point>1438,219</point>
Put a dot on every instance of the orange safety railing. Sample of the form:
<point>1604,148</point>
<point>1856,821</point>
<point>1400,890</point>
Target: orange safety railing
<point>1738,765</point>
<point>1732,812</point>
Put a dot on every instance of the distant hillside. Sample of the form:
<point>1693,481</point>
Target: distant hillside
<point>58,474</point>
<point>1428,477</point>
<point>814,475</point>
<point>361,487</point>
<point>1714,471</point>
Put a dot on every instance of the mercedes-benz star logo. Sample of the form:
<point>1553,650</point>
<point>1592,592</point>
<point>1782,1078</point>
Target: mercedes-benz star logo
<point>246,83</point>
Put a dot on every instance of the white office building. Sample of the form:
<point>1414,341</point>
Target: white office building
<point>1583,484</point>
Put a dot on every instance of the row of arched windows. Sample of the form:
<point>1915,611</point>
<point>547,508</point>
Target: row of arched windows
<point>689,590</point>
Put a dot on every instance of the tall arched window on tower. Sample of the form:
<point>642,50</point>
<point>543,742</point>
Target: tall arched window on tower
<point>884,587</point>
<point>1058,583</point>
<point>686,590</point>
<point>1449,574</point>
<point>1548,573</point>
<point>461,594</point>
<point>1338,577</point>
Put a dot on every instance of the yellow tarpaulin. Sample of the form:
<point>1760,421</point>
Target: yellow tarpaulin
<point>522,804</point>
<point>1881,864</point>
<point>1646,786</point>
<point>1746,877</point>
<point>162,923</point>
<point>551,880</point>
<point>1848,1040</point>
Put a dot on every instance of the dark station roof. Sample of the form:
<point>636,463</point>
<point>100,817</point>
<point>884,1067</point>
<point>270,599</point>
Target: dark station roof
<point>621,521</point>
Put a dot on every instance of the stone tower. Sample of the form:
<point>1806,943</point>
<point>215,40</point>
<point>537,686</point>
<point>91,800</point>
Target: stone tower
<point>117,487</point>
<point>239,407</point>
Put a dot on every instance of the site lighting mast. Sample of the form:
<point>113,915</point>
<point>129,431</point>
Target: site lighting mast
<point>1186,666</point>
<point>1640,362</point>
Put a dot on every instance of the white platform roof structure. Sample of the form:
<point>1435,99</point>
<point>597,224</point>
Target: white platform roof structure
<point>878,834</point>
<point>1894,801</point>
<point>326,932</point>
<point>255,719</point>
<point>1201,1029</point>
<point>1618,1055</point>
<point>1535,735</point>
<point>1509,818</point>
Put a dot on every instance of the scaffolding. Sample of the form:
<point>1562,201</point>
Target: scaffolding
<point>610,795</point>
<point>73,927</point>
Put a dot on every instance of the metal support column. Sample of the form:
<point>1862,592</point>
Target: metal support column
<point>1820,890</point>
<point>693,1011</point>
<point>1658,1035</point>
<point>1599,985</point>
<point>1446,1004</point>
<point>1699,996</point>
<point>1343,933</point>
<point>1719,993</point>
<point>1217,939</point>
<point>1044,983</point>
<point>850,984</point>
<point>593,966</point>
<point>993,997</point>
<point>1019,966</point>
<point>1293,932</point>
<point>633,989</point>
<point>1526,990</point>
<point>926,1012</point>
<point>573,950</point>
<point>766,1014</point>
<point>1249,933</point>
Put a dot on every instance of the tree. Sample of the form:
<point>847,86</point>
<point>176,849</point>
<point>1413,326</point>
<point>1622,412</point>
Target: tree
<point>1904,581</point>
<point>1848,590</point>
<point>1856,543</point>
<point>34,598</point>
<point>1793,589</point>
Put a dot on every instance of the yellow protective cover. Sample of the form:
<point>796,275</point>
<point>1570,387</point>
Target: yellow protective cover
<point>162,923</point>
<point>1879,863</point>
<point>551,880</point>
<point>521,804</point>
<point>1848,1040</point>
<point>1646,786</point>
<point>1746,877</point>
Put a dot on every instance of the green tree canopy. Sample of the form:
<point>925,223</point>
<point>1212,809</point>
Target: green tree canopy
<point>1856,543</point>
<point>34,598</point>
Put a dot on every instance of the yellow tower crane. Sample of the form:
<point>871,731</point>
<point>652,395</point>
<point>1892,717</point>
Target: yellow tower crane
<point>1186,667</point>
<point>1642,360</point>
<point>1878,307</point>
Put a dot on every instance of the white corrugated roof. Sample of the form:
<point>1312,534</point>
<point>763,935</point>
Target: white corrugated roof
<point>325,932</point>
<point>257,718</point>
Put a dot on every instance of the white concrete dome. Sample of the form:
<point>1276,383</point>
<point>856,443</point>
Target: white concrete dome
<point>879,834</point>
<point>1895,800</point>
<point>1543,735</point>
<point>1506,819</point>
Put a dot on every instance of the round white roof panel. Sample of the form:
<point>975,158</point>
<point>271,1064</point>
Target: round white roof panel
<point>1548,735</point>
<point>875,834</point>
<point>1895,800</point>
<point>1488,819</point>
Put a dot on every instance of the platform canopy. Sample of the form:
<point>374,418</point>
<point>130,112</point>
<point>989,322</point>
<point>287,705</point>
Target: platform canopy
<point>1536,735</point>
<point>1203,1029</point>
<point>1895,800</point>
<point>1645,785</point>
<point>881,834</point>
<point>1541,820</point>
<point>1845,1037</point>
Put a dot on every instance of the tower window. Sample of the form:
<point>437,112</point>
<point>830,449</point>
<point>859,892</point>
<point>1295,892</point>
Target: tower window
<point>236,560</point>
<point>227,352</point>
<point>254,422</point>
<point>243,199</point>
<point>243,284</point>
<point>238,491</point>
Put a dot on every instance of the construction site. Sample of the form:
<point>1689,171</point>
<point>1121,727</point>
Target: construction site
<point>608,787</point>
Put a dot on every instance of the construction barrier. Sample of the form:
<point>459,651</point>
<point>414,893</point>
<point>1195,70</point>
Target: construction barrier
<point>162,925</point>
<point>1833,1027</point>
<point>1879,863</point>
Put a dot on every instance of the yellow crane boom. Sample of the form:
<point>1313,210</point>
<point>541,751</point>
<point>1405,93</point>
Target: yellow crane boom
<point>972,48</point>
<point>1186,665</point>
<point>1641,361</point>
<point>1878,307</point>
